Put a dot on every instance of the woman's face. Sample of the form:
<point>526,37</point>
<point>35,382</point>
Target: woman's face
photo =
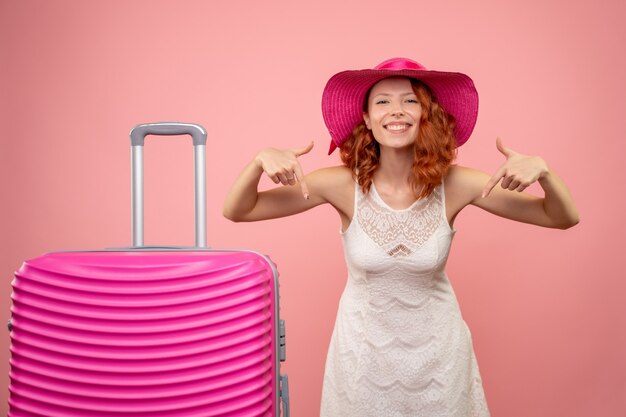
<point>393,113</point>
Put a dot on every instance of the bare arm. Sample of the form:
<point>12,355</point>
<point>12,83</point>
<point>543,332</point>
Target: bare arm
<point>556,209</point>
<point>299,193</point>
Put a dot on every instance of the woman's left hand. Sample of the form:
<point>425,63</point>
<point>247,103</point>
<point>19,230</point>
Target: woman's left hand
<point>518,171</point>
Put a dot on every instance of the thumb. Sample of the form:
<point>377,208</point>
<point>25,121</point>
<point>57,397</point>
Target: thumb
<point>302,151</point>
<point>503,149</point>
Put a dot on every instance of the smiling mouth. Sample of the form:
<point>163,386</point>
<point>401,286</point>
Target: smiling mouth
<point>397,127</point>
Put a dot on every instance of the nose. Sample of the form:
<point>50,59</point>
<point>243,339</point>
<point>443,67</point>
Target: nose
<point>397,110</point>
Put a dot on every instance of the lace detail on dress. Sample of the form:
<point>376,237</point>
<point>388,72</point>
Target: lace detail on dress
<point>399,232</point>
<point>400,250</point>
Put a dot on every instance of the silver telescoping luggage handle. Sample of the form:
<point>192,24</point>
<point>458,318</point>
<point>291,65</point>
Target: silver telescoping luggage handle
<point>137,136</point>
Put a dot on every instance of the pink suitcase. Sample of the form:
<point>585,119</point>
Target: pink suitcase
<point>148,331</point>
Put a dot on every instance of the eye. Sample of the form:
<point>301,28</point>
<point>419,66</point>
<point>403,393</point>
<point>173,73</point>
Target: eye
<point>412,100</point>
<point>382,101</point>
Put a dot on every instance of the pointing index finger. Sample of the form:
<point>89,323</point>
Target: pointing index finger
<point>493,181</point>
<point>300,177</point>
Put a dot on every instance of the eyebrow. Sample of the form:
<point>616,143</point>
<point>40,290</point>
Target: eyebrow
<point>403,94</point>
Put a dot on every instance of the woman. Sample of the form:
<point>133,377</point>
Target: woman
<point>400,346</point>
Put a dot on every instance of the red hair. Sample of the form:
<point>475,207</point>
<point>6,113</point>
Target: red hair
<point>435,147</point>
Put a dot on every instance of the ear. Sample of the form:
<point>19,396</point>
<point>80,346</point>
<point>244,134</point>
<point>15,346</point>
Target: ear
<point>366,119</point>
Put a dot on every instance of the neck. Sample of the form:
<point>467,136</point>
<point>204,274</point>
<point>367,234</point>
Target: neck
<point>394,167</point>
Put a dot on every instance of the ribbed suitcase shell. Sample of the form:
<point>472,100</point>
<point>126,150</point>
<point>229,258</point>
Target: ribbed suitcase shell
<point>145,333</point>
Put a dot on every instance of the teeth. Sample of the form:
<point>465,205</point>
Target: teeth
<point>397,127</point>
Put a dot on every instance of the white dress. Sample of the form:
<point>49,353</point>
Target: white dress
<point>400,346</point>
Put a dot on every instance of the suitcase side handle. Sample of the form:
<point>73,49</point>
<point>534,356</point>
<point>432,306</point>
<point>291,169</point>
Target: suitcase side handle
<point>284,395</point>
<point>137,137</point>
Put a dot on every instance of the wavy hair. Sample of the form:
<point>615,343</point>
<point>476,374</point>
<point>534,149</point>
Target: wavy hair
<point>435,147</point>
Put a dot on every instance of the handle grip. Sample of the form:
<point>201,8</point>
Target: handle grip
<point>137,137</point>
<point>139,133</point>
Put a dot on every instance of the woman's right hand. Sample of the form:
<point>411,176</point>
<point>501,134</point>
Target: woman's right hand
<point>283,167</point>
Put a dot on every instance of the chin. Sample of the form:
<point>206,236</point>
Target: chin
<point>398,146</point>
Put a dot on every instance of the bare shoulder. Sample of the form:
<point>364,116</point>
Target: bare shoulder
<point>466,181</point>
<point>460,173</point>
<point>334,184</point>
<point>331,181</point>
<point>334,173</point>
<point>335,176</point>
<point>463,186</point>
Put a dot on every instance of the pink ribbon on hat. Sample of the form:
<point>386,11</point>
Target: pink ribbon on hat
<point>399,64</point>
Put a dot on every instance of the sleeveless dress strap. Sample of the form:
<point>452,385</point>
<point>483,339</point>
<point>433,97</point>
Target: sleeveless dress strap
<point>443,206</point>
<point>357,194</point>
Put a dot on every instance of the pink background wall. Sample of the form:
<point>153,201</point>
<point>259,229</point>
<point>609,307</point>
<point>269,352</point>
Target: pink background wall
<point>545,306</point>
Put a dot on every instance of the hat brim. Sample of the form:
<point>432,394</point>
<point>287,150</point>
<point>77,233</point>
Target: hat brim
<point>344,94</point>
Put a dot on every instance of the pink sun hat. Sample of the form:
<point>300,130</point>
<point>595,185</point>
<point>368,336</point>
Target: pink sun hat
<point>344,96</point>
